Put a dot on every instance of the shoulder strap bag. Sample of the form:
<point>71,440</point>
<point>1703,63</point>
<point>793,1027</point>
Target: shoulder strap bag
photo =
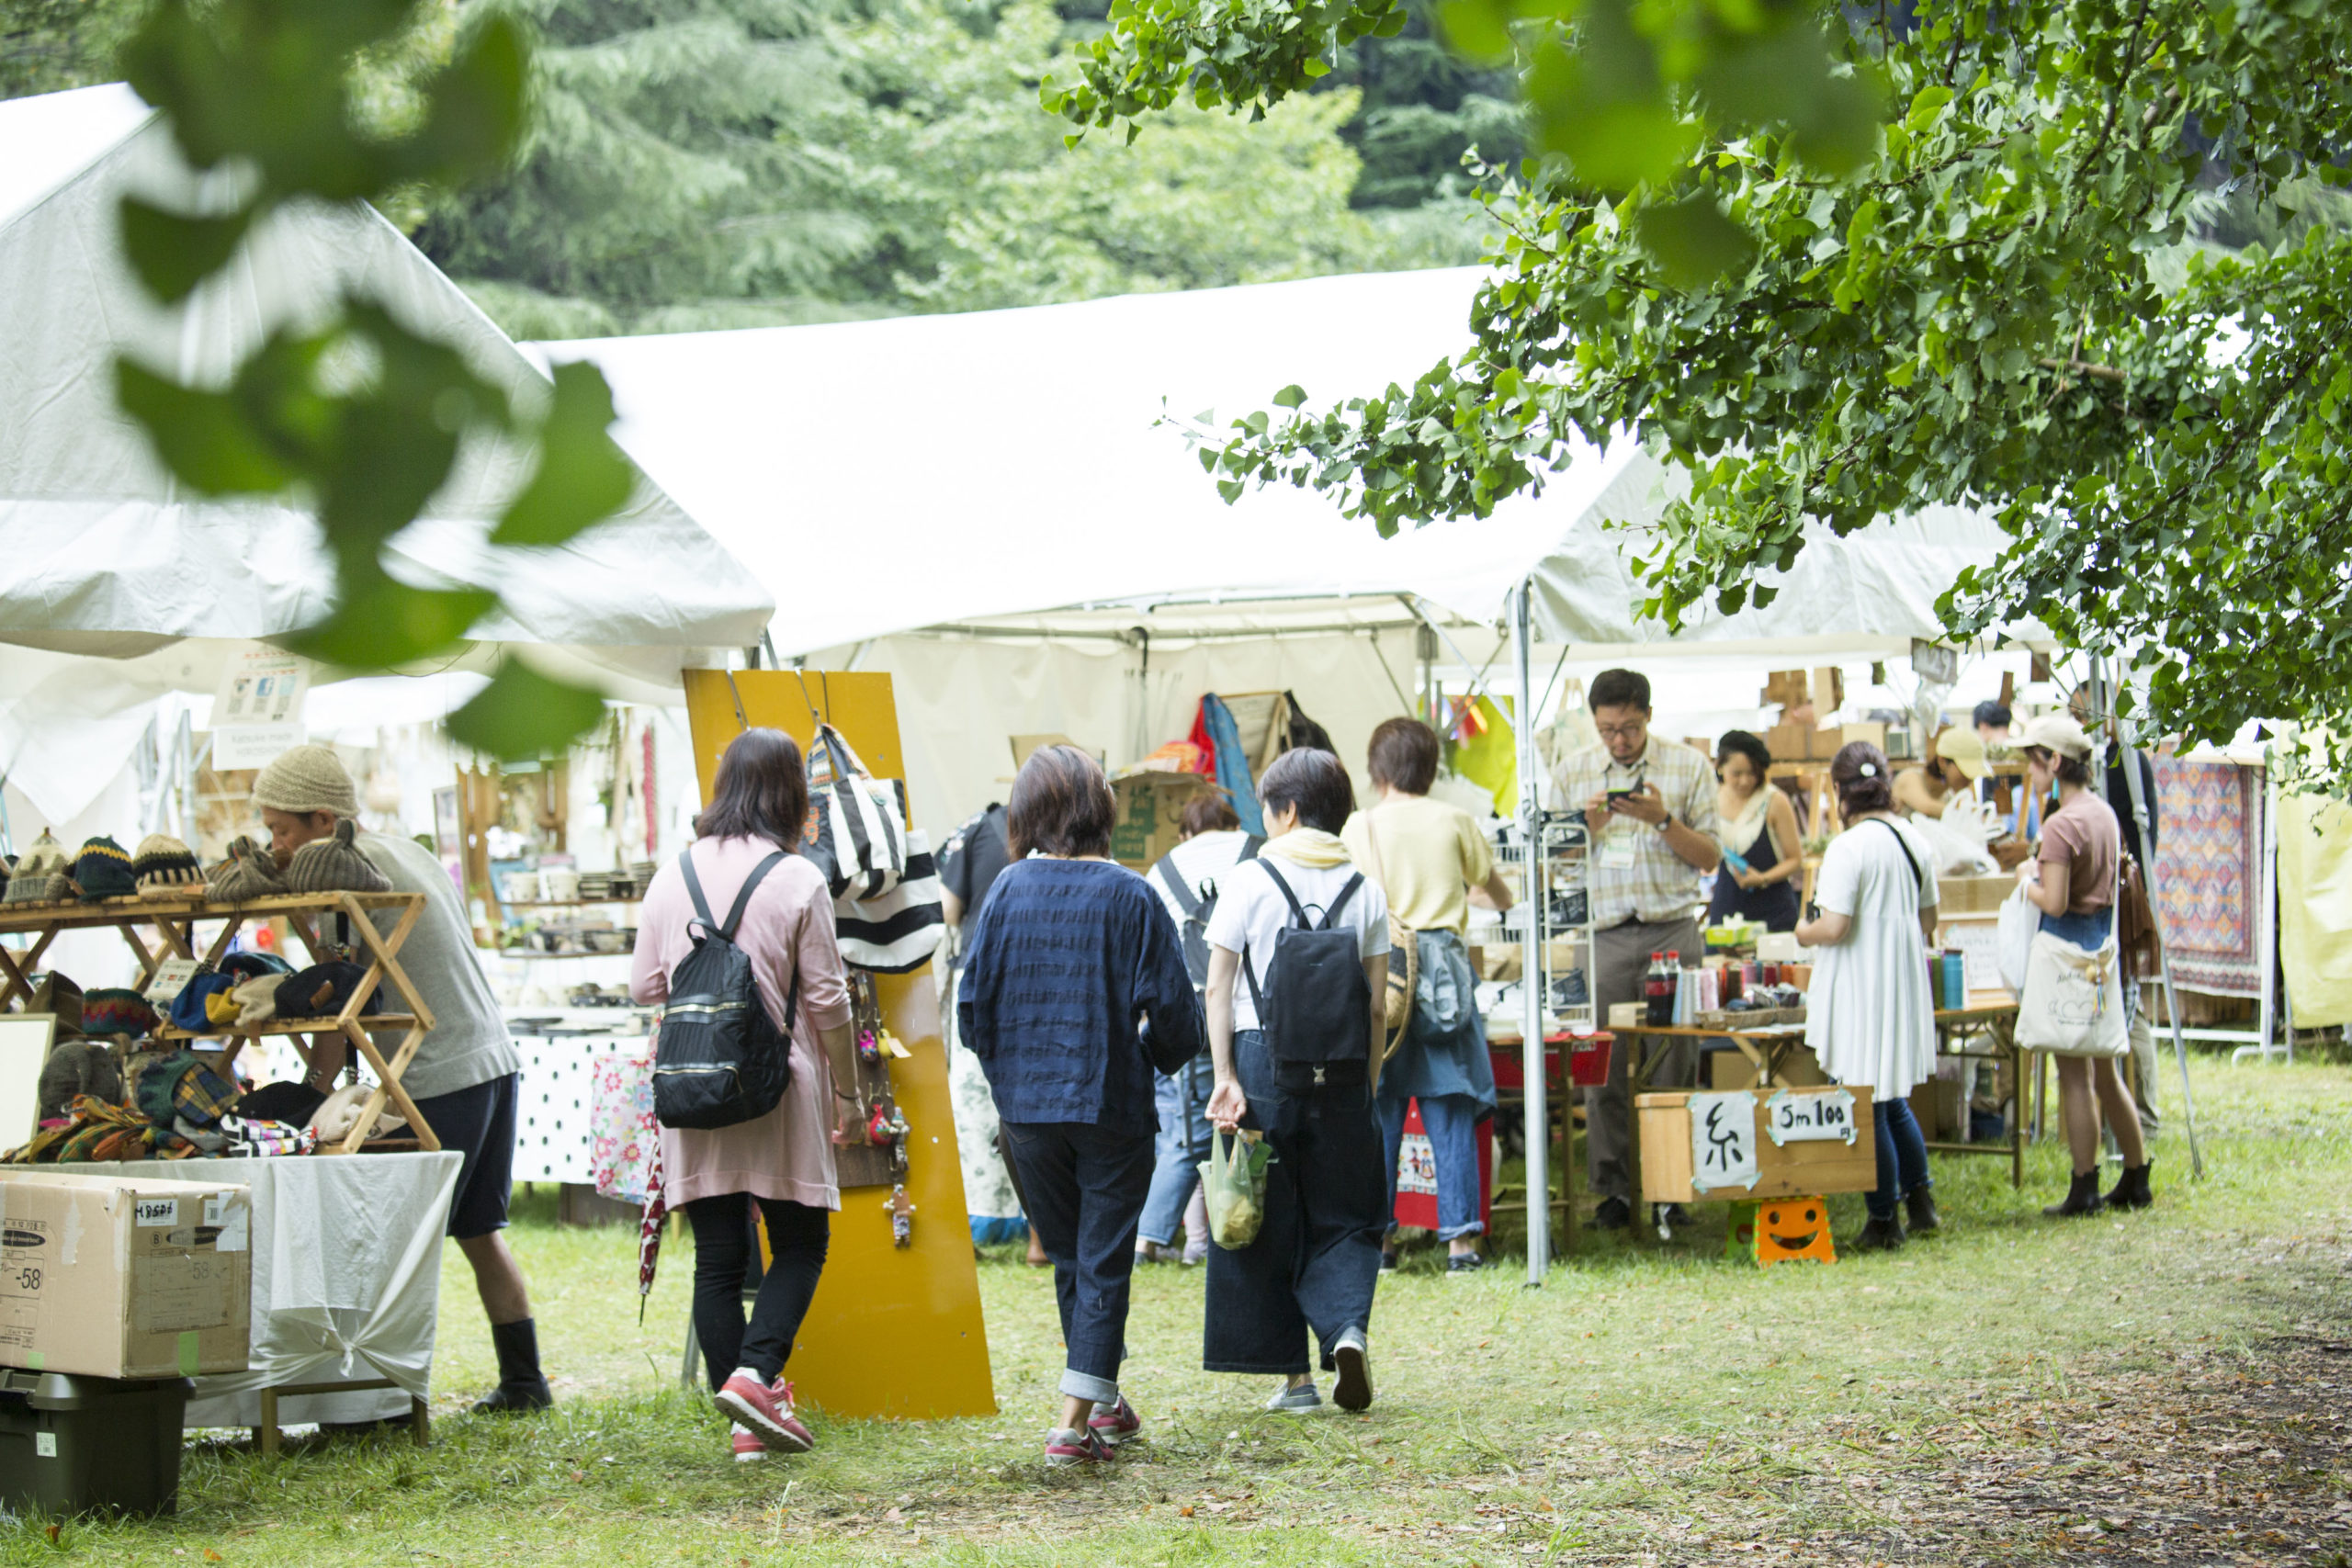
<point>1404,957</point>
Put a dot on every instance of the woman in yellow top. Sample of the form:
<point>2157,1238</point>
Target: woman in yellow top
<point>1432,860</point>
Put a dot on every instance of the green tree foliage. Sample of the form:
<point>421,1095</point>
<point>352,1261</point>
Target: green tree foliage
<point>1982,295</point>
<point>696,164</point>
<point>51,46</point>
<point>978,203</point>
<point>1422,108</point>
<point>669,177</point>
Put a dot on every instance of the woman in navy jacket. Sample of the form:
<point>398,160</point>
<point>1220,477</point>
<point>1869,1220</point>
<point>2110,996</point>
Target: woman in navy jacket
<point>1072,949</point>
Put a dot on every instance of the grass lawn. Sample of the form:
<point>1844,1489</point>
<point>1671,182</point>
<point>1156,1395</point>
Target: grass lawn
<point>2169,1387</point>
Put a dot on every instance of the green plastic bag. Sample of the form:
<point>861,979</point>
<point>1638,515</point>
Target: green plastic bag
<point>1233,1179</point>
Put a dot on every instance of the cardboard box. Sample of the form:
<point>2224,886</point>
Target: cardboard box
<point>1151,813</point>
<point>1828,690</point>
<point>1789,742</point>
<point>1784,688</point>
<point>1783,1171</point>
<point>1971,894</point>
<point>124,1278</point>
<point>1730,1069</point>
<point>1845,735</point>
<point>1936,1106</point>
<point>1627,1015</point>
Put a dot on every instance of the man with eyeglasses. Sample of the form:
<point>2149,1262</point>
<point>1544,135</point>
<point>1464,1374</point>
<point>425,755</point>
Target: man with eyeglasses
<point>1650,806</point>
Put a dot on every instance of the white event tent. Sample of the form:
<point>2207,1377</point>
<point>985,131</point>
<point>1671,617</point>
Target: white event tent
<point>117,585</point>
<point>1000,509</point>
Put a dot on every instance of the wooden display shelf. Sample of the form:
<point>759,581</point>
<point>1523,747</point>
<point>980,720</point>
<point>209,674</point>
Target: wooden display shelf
<point>370,1021</point>
<point>566,903</point>
<point>174,922</point>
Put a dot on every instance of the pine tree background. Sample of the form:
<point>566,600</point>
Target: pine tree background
<point>704,163</point>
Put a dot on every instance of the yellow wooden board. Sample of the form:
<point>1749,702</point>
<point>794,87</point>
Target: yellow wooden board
<point>892,1332</point>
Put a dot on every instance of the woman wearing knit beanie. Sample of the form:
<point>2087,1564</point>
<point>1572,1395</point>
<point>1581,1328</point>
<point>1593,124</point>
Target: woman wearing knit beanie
<point>464,1075</point>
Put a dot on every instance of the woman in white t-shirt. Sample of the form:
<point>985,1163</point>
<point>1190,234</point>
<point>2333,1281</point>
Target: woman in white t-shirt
<point>1315,1260</point>
<point>1869,1016</point>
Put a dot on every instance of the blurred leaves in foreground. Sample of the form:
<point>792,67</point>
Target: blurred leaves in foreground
<point>360,417</point>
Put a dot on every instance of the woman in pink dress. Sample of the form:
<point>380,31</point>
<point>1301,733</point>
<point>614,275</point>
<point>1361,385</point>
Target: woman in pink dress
<point>782,1161</point>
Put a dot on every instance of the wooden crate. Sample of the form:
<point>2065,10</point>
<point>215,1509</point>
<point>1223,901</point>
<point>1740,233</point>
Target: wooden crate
<point>1787,1170</point>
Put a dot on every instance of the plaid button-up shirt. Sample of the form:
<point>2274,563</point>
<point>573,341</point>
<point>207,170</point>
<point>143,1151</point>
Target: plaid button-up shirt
<point>1657,885</point>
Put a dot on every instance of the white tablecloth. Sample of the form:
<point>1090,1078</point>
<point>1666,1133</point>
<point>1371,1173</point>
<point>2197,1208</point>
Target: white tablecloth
<point>346,1279</point>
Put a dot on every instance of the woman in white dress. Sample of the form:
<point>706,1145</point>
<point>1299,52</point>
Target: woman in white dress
<point>1869,1016</point>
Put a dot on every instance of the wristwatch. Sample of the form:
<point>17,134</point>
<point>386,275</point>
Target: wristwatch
<point>1662,825</point>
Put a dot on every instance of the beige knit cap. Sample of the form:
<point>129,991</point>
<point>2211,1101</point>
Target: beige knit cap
<point>307,779</point>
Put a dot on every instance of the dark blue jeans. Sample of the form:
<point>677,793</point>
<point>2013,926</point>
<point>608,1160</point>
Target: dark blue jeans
<point>1084,1188</point>
<point>1316,1258</point>
<point>1901,1156</point>
<point>1452,1124</point>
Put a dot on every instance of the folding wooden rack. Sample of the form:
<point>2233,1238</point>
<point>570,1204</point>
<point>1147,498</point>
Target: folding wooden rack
<point>175,922</point>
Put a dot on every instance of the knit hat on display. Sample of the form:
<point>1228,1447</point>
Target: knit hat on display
<point>334,865</point>
<point>305,780</point>
<point>103,871</point>
<point>248,873</point>
<point>164,869</point>
<point>45,859</point>
<point>116,1010</point>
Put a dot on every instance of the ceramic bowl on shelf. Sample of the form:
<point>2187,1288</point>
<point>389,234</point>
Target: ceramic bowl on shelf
<point>560,885</point>
<point>522,886</point>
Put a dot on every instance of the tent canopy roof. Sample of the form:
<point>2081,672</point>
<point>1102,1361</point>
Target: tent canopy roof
<point>102,551</point>
<point>1026,473</point>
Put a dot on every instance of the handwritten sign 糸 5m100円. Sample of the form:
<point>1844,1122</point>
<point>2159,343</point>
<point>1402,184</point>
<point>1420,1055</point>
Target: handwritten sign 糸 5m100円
<point>1810,1116</point>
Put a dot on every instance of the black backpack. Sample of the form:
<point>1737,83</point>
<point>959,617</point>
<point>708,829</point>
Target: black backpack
<point>719,1058</point>
<point>1317,1020</point>
<point>1195,927</point>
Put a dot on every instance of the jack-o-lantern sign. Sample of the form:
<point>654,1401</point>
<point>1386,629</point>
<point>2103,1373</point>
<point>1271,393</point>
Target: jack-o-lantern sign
<point>1793,1228</point>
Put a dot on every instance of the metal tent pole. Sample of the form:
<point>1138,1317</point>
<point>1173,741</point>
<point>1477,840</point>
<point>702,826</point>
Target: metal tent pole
<point>1532,984</point>
<point>2143,814</point>
<point>2265,935</point>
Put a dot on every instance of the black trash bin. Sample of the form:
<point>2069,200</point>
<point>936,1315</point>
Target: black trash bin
<point>72,1445</point>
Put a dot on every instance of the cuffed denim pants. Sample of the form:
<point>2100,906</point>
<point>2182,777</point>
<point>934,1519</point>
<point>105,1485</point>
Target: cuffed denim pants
<point>1084,1186</point>
<point>1316,1259</point>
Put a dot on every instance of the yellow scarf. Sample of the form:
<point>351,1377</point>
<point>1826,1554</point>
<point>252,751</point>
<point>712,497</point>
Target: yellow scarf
<point>1309,847</point>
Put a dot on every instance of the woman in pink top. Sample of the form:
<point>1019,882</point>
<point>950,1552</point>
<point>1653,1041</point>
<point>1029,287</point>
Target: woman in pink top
<point>784,1160</point>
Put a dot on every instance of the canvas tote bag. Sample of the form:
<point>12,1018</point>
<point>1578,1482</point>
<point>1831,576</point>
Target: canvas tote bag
<point>2071,1003</point>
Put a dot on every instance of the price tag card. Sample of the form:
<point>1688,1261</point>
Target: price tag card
<point>1722,1140</point>
<point>1812,1116</point>
<point>171,976</point>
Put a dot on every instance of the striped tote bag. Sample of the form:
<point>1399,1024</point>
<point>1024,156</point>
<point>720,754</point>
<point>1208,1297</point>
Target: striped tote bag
<point>897,932</point>
<point>857,824</point>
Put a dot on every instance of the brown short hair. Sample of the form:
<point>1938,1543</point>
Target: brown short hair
<point>1061,803</point>
<point>1859,792</point>
<point>1313,781</point>
<point>1209,813</point>
<point>1403,755</point>
<point>762,791</point>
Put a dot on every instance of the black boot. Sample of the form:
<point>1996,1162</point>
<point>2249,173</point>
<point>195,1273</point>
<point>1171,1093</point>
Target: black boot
<point>1921,1202</point>
<point>1877,1235</point>
<point>522,1387</point>
<point>2082,1198</point>
<point>2131,1188</point>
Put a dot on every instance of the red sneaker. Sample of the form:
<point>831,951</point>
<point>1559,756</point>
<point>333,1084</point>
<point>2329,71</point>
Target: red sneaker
<point>1117,1424</point>
<point>767,1409</point>
<point>1066,1446</point>
<point>748,1445</point>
